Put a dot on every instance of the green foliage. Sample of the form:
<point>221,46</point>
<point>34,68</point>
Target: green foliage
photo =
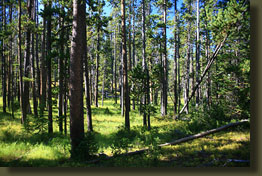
<point>87,148</point>
<point>122,140</point>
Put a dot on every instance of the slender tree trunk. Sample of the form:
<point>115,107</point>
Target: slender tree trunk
<point>49,72</point>
<point>121,81</point>
<point>76,75</point>
<point>103,84</point>
<point>125,75</point>
<point>66,72</point>
<point>197,55</point>
<point>9,72</point>
<point>187,81</point>
<point>23,118</point>
<point>43,69</point>
<point>115,91</point>
<point>97,65</point>
<point>4,59</point>
<point>12,78</point>
<point>175,60</point>
<point>61,76</point>
<point>87,93</point>
<point>27,61</point>
<point>192,71</point>
<point>178,68</point>
<point>112,64</point>
<point>37,54</point>
<point>144,98</point>
<point>33,64</point>
<point>133,47</point>
<point>164,87</point>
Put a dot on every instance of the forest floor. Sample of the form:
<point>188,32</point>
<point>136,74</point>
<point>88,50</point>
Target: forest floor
<point>21,146</point>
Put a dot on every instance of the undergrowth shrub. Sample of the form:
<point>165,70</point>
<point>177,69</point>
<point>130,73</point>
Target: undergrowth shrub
<point>122,140</point>
<point>87,148</point>
<point>208,118</point>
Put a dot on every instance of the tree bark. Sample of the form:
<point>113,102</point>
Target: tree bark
<point>33,64</point>
<point>49,71</point>
<point>87,95</point>
<point>43,69</point>
<point>125,75</point>
<point>144,98</point>
<point>23,118</point>
<point>27,61</point>
<point>4,59</point>
<point>115,67</point>
<point>97,65</point>
<point>197,54</point>
<point>61,76</point>
<point>164,80</point>
<point>37,54</point>
<point>76,75</point>
<point>175,60</point>
<point>187,81</point>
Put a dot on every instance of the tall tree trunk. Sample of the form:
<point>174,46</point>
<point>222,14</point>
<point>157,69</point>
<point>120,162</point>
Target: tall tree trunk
<point>125,75</point>
<point>12,78</point>
<point>175,60</point>
<point>144,98</point>
<point>197,55</point>
<point>87,94</point>
<point>43,69</point>
<point>61,76</point>
<point>49,71</point>
<point>4,59</point>
<point>103,84</point>
<point>37,53</point>
<point>164,87</point>
<point>133,47</point>
<point>178,67</point>
<point>76,75</point>
<point>112,64</point>
<point>187,81</point>
<point>23,118</point>
<point>97,65</point>
<point>66,72</point>
<point>33,64</point>
<point>192,71</point>
<point>27,60</point>
<point>115,67</point>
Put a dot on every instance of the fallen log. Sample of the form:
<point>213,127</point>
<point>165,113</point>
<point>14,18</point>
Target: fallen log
<point>203,133</point>
<point>179,141</point>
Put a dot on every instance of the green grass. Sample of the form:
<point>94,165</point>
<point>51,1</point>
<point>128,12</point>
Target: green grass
<point>19,147</point>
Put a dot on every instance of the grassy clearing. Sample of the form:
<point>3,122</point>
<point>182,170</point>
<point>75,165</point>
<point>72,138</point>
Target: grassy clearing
<point>18,147</point>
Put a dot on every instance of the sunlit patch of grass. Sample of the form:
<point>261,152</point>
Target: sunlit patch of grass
<point>210,151</point>
<point>30,149</point>
<point>13,151</point>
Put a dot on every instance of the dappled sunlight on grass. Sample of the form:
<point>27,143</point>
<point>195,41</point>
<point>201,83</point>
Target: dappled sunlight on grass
<point>22,147</point>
